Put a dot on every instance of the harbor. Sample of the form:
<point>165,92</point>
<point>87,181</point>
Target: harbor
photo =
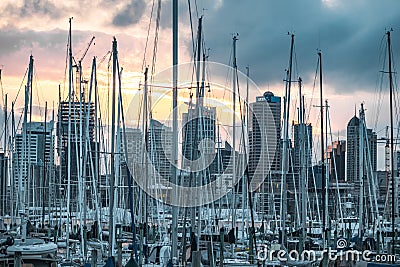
<point>184,159</point>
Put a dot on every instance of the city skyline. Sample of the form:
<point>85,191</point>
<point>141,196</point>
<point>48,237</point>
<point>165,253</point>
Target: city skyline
<point>350,36</point>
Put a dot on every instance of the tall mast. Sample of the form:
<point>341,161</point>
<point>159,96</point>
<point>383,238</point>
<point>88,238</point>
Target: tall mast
<point>61,156</point>
<point>52,182</point>
<point>112,175</point>
<point>391,136</point>
<point>88,147</point>
<point>43,180</point>
<point>96,137</point>
<point>303,163</point>
<point>198,125</point>
<point>326,178</point>
<point>285,160</point>
<point>70,96</point>
<point>174,124</point>
<point>322,150</point>
<point>145,134</point>
<point>145,121</point>
<point>361,173</point>
<point>22,188</point>
<point>234,129</point>
<point>79,159</point>
<point>12,168</point>
<point>244,182</point>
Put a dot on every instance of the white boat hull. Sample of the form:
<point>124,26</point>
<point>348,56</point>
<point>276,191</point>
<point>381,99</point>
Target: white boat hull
<point>37,249</point>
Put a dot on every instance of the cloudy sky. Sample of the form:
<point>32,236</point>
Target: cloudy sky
<point>350,34</point>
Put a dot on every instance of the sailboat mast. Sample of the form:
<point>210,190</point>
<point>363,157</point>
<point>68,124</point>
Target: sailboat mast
<point>391,136</point>
<point>234,130</point>
<point>81,161</point>
<point>361,177</point>
<point>22,188</point>
<point>326,177</point>
<point>244,182</point>
<point>60,155</point>
<point>322,150</point>
<point>145,121</point>
<point>198,126</point>
<point>70,96</point>
<point>43,180</point>
<point>174,231</point>
<point>12,168</point>
<point>303,163</point>
<point>285,160</point>
<point>145,166</point>
<point>112,175</point>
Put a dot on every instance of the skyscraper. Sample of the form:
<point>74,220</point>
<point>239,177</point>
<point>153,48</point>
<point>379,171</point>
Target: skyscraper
<point>300,160</point>
<point>81,138</point>
<point>160,148</point>
<point>134,144</point>
<point>31,163</point>
<point>265,149</point>
<point>353,145</point>
<point>133,166</point>
<point>196,129</point>
<point>297,147</point>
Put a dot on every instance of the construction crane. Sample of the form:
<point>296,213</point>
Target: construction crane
<point>87,49</point>
<point>78,67</point>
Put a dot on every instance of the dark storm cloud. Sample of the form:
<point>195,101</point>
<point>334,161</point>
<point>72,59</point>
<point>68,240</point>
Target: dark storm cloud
<point>14,39</point>
<point>34,7</point>
<point>130,14</point>
<point>349,35</point>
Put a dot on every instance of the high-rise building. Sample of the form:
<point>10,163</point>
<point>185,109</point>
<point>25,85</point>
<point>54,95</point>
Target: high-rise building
<point>299,162</point>
<point>33,161</point>
<point>336,160</point>
<point>353,147</point>
<point>134,144</point>
<point>81,138</point>
<point>265,149</point>
<point>297,147</point>
<point>198,129</point>
<point>160,148</point>
<point>131,166</point>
